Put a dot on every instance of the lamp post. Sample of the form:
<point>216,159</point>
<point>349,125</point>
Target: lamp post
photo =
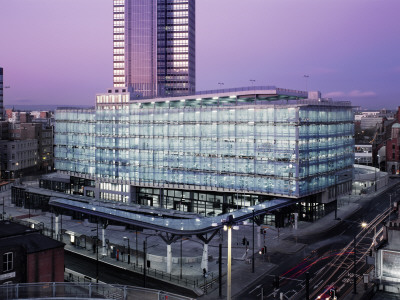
<point>145,259</point>
<point>129,250</point>
<point>390,205</point>
<point>336,206</point>
<point>4,212</point>
<point>228,225</point>
<point>379,166</point>
<point>306,77</point>
<point>97,250</point>
<point>229,263</point>
<point>252,259</point>
<point>252,82</point>
<point>137,257</point>
<point>181,258</point>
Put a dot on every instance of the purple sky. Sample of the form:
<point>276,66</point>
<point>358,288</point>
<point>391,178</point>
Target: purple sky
<point>60,52</point>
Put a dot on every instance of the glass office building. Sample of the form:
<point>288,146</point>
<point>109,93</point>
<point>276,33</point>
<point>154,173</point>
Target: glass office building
<point>223,150</point>
<point>154,46</point>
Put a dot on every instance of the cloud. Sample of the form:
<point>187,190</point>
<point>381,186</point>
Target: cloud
<point>352,94</point>
<point>357,93</point>
<point>334,94</point>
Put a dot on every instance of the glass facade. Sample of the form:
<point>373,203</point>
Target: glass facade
<point>222,143</point>
<point>154,46</point>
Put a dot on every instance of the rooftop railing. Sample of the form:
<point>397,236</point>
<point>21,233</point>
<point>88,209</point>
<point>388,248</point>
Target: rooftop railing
<point>84,290</point>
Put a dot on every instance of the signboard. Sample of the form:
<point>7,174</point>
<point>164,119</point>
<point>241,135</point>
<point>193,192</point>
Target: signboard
<point>7,276</point>
<point>390,263</point>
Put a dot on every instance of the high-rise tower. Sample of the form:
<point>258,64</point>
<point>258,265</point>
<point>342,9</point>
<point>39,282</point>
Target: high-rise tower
<point>154,46</point>
<point>1,96</point>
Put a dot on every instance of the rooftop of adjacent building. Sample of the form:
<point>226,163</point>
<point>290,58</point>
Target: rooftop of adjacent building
<point>14,234</point>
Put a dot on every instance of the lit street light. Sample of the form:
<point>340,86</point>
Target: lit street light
<point>252,259</point>
<point>97,250</point>
<point>229,224</point>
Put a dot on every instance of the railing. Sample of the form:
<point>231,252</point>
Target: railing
<point>86,290</point>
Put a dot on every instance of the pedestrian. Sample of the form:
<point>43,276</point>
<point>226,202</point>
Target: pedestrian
<point>204,272</point>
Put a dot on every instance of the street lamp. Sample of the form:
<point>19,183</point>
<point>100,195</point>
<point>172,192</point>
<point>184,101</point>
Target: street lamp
<point>4,212</point>
<point>252,82</point>
<point>97,250</point>
<point>363,225</point>
<point>228,225</point>
<point>145,259</point>
<point>252,259</point>
<point>129,250</point>
<point>306,77</point>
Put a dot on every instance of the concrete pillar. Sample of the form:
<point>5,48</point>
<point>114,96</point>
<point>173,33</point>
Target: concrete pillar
<point>56,230</point>
<point>103,241</point>
<point>296,217</point>
<point>204,260</point>
<point>169,258</point>
<point>258,228</point>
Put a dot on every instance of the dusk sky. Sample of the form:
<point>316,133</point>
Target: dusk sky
<point>60,52</point>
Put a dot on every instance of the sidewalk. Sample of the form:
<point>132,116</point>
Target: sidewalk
<point>192,249</point>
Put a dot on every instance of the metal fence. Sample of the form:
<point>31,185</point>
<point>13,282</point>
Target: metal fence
<point>82,291</point>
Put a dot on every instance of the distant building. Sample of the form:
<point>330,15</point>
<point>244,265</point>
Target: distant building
<point>44,136</point>
<point>18,157</point>
<point>370,122</point>
<point>154,46</point>
<point>25,147</point>
<point>27,256</point>
<point>363,154</point>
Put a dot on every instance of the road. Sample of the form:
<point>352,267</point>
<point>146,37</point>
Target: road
<point>328,257</point>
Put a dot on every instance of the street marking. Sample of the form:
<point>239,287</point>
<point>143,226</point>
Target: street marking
<point>318,284</point>
<point>257,287</point>
<point>319,271</point>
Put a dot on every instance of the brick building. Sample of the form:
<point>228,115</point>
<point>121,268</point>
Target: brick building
<point>27,256</point>
<point>386,145</point>
<point>393,150</point>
